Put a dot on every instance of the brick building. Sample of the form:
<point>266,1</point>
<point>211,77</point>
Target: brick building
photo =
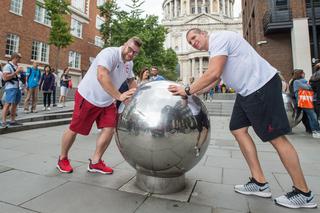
<point>25,28</point>
<point>281,31</point>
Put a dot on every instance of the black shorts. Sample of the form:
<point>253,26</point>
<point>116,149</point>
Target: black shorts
<point>263,110</point>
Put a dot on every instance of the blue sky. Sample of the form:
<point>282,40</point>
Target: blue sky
<point>154,7</point>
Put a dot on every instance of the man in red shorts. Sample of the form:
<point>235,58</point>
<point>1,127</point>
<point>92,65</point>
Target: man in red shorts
<point>94,102</point>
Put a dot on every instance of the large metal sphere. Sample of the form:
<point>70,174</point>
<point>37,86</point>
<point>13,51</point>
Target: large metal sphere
<point>162,135</point>
<point>293,117</point>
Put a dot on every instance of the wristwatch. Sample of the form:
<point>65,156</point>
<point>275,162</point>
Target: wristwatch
<point>187,90</point>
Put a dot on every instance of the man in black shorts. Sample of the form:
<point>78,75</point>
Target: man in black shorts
<point>258,104</point>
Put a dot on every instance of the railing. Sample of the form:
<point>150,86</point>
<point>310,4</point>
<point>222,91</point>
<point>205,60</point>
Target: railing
<point>277,18</point>
<point>316,6</point>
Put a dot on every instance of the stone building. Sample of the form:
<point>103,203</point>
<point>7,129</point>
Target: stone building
<point>283,32</point>
<point>182,15</point>
<point>25,28</point>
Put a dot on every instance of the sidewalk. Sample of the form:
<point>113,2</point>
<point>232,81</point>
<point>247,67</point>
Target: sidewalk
<point>29,181</point>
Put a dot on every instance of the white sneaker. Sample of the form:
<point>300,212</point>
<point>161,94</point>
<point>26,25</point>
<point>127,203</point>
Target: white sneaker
<point>60,105</point>
<point>44,108</point>
<point>295,199</point>
<point>48,108</point>
<point>316,134</point>
<point>26,111</point>
<point>252,188</point>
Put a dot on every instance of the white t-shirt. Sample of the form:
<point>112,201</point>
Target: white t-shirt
<point>245,70</point>
<point>9,69</point>
<point>110,58</point>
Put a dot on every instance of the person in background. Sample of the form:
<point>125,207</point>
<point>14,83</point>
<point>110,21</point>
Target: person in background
<point>315,84</point>
<point>54,89</point>
<point>144,76</point>
<point>12,92</point>
<point>1,86</point>
<point>155,74</point>
<point>298,110</point>
<point>64,86</point>
<point>301,83</point>
<point>32,85</point>
<point>46,85</point>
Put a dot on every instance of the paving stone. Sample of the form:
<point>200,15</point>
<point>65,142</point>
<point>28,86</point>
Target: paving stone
<point>218,196</point>
<point>160,206</point>
<point>4,169</point>
<point>22,186</point>
<point>183,195</point>
<point>7,154</point>
<point>7,208</point>
<point>114,181</point>
<point>205,173</point>
<point>83,198</point>
<point>37,163</point>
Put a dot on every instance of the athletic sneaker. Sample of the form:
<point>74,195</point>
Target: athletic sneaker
<point>297,199</point>
<point>254,188</point>
<point>64,165</point>
<point>316,134</point>
<point>99,167</point>
<point>4,125</point>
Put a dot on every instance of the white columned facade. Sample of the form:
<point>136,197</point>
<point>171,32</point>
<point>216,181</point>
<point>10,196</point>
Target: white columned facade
<point>224,7</point>
<point>301,46</point>
<point>188,7</point>
<point>196,6</point>
<point>175,8</point>
<point>200,66</point>
<point>193,66</point>
<point>180,18</point>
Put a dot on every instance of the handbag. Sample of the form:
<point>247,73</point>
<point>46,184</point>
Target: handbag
<point>305,99</point>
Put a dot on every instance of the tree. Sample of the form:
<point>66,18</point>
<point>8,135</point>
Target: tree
<point>121,25</point>
<point>60,31</point>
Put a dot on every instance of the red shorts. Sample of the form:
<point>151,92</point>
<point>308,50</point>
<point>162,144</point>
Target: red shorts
<point>85,114</point>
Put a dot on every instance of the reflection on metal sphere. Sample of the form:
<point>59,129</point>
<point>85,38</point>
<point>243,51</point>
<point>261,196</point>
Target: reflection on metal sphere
<point>162,136</point>
<point>293,117</point>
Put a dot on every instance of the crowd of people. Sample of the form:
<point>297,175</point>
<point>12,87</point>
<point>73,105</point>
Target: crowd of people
<point>16,82</point>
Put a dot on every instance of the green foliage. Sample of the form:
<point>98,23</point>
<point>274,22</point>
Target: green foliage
<point>121,25</point>
<point>60,31</point>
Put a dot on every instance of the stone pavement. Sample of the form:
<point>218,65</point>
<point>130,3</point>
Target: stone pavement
<point>29,181</point>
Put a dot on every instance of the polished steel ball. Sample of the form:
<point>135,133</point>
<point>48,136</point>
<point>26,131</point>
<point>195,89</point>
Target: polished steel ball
<point>294,116</point>
<point>162,135</point>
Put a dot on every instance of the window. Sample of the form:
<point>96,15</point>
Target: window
<point>12,44</point>
<point>40,51</point>
<point>98,41</point>
<point>16,6</point>
<point>74,59</point>
<point>281,2</point>
<point>100,2</point>
<point>41,16</point>
<point>99,22</point>
<point>76,28</point>
<point>79,4</point>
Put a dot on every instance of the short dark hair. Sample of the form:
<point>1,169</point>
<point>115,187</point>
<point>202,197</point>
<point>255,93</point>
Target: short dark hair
<point>196,30</point>
<point>15,55</point>
<point>136,40</point>
<point>154,67</point>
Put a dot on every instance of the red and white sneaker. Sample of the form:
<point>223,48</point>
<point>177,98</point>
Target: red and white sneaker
<point>99,167</point>
<point>64,165</point>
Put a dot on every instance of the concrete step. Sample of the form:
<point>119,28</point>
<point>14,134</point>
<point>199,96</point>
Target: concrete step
<point>36,125</point>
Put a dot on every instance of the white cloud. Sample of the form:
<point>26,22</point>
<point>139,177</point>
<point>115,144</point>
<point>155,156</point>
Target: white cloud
<point>154,7</point>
